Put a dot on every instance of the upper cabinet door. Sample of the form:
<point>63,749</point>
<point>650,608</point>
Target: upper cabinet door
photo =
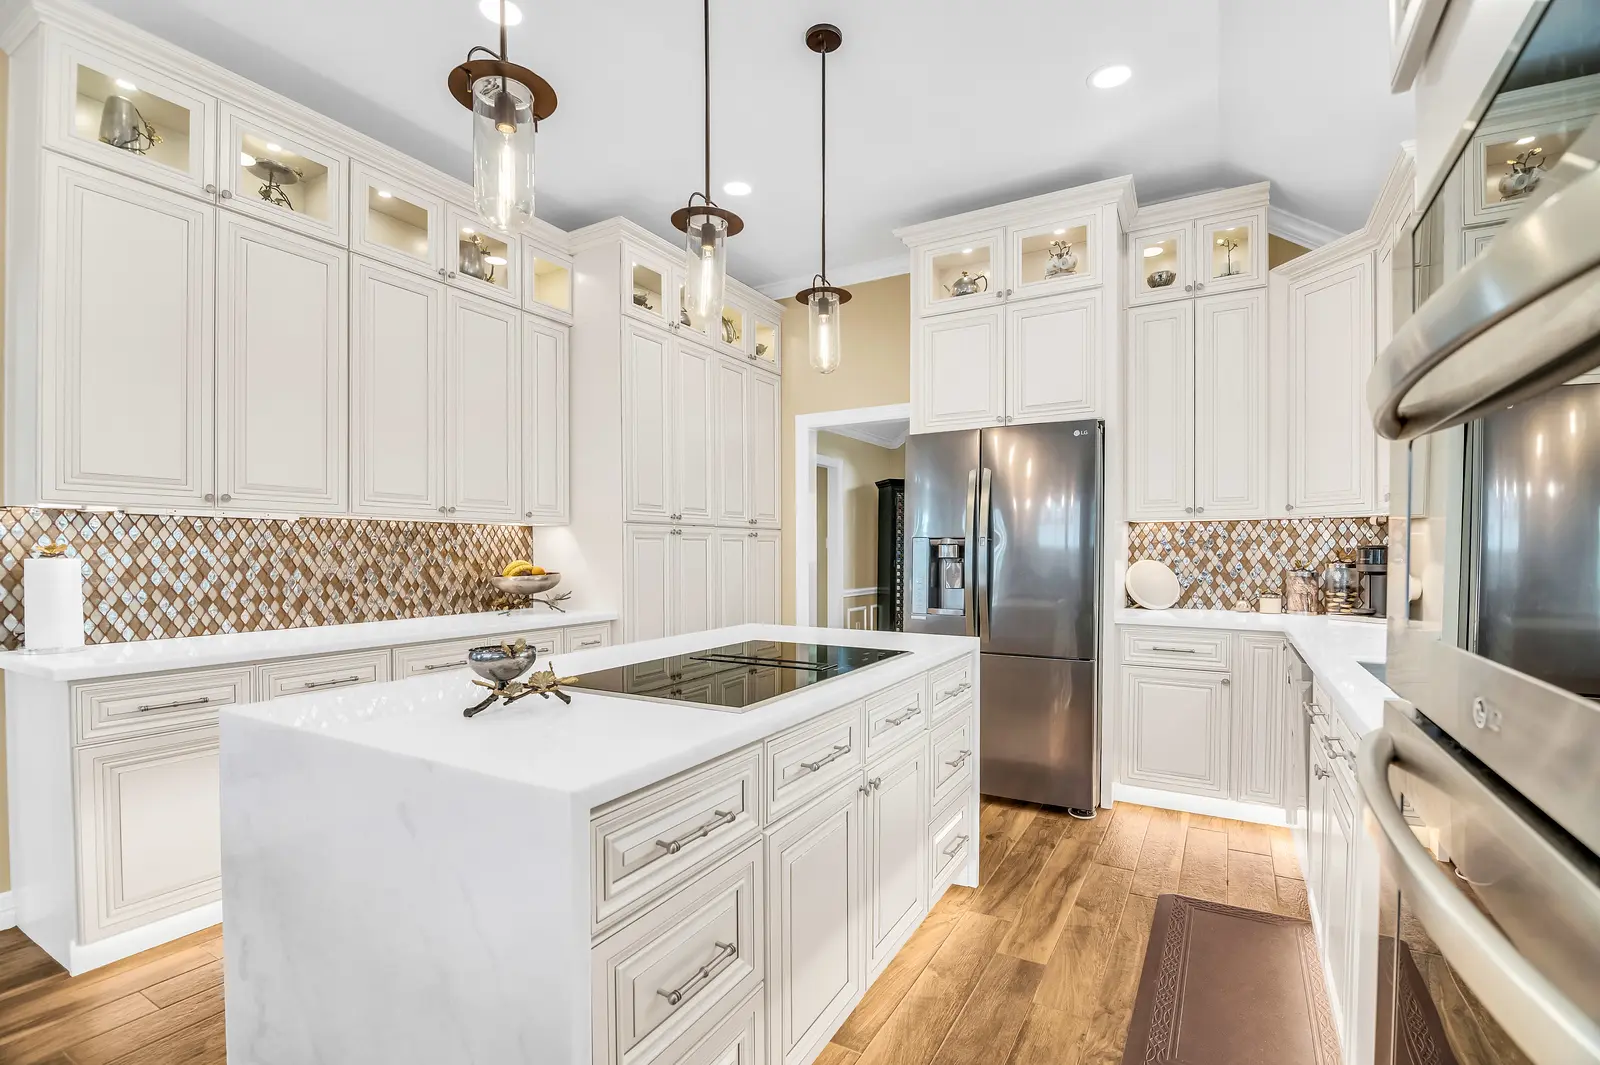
<point>544,423</point>
<point>282,368</point>
<point>649,292</point>
<point>732,334</point>
<point>126,399</point>
<point>1332,445</point>
<point>694,580</point>
<point>484,409</point>
<point>1161,413</point>
<point>547,285</point>
<point>763,409</point>
<point>958,373</point>
<point>733,445</point>
<point>1230,252</point>
<point>480,259</point>
<point>765,337</point>
<point>646,424</point>
<point>1052,355</point>
<point>964,272</point>
<point>283,176</point>
<point>122,114</point>
<point>1230,406</point>
<point>1055,257</point>
<point>1159,265</point>
<point>397,429</point>
<point>694,433</point>
<point>395,222</point>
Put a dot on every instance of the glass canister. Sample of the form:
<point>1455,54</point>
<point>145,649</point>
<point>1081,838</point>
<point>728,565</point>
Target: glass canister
<point>1300,589</point>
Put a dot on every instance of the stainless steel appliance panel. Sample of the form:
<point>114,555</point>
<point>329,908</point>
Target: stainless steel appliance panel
<point>1038,730</point>
<point>1043,528</point>
<point>940,488</point>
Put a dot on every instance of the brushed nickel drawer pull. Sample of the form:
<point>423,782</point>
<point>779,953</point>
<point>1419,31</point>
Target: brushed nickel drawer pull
<point>1174,650</point>
<point>431,666</point>
<point>901,719</point>
<point>1313,710</point>
<point>178,705</point>
<point>593,641</point>
<point>960,760</point>
<point>951,693</point>
<point>955,845</point>
<point>1335,748</point>
<point>726,952</point>
<point>839,751</point>
<point>673,846</point>
<point>332,683</point>
<point>1319,771</point>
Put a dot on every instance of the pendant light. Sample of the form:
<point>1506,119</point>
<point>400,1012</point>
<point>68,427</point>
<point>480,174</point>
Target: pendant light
<point>507,102</point>
<point>823,299</point>
<point>706,227</point>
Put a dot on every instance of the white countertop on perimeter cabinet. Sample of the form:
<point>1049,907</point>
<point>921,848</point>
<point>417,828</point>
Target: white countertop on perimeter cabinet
<point>600,746</point>
<point>197,652</point>
<point>1334,648</point>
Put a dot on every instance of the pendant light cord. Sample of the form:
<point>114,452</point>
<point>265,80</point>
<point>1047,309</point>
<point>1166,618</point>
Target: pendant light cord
<point>707,51</point>
<point>824,167</point>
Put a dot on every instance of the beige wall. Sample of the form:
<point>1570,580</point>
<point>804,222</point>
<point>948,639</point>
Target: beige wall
<point>875,369</point>
<point>1280,251</point>
<point>862,465</point>
<point>5,823</point>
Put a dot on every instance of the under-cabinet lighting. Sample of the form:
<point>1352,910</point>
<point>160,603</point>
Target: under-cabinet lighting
<point>274,147</point>
<point>966,251</point>
<point>246,159</point>
<point>1110,77</point>
<point>466,231</point>
<point>385,194</point>
<point>1520,142</point>
<point>1059,232</point>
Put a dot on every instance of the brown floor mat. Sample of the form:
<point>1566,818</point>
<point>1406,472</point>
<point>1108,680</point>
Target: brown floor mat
<point>1228,986</point>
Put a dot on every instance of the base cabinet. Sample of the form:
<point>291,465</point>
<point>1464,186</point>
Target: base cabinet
<point>1259,719</point>
<point>897,853</point>
<point>1177,729</point>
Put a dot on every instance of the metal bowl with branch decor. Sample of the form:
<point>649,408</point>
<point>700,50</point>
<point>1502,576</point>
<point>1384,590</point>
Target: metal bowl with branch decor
<point>532,585</point>
<point>502,663</point>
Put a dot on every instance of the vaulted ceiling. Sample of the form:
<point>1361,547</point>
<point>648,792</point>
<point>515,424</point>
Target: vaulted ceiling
<point>936,106</point>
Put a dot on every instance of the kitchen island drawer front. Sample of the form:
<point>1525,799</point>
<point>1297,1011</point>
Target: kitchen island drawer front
<point>647,843</point>
<point>952,685</point>
<point>953,757</point>
<point>739,1040</point>
<point>588,637</point>
<point>115,709</point>
<point>320,674</point>
<point>663,983</point>
<point>1179,648</point>
<point>806,760</point>
<point>950,839</point>
<point>896,715</point>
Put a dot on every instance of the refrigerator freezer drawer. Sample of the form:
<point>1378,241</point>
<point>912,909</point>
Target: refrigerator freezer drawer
<point>1038,730</point>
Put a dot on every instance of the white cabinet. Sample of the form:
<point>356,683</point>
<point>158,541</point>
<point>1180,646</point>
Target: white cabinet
<point>1177,726</point>
<point>1052,354</point>
<point>733,556</point>
<point>125,345</point>
<point>646,424</point>
<point>545,465</point>
<point>959,272</point>
<point>1258,721</point>
<point>1160,412</point>
<point>282,175</point>
<point>694,579</point>
<point>764,596</point>
<point>763,409</point>
<point>394,220</point>
<point>483,409</point>
<point>479,259</point>
<point>1223,251</point>
<point>649,567</point>
<point>897,852</point>
<point>282,440</point>
<point>694,433</point>
<point>733,466</point>
<point>958,372</point>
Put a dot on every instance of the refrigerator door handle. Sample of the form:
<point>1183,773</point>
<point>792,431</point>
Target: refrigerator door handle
<point>970,562</point>
<point>981,547</point>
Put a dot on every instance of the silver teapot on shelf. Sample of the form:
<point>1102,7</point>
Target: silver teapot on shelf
<point>122,126</point>
<point>475,259</point>
<point>967,284</point>
<point>1523,177</point>
<point>1061,261</point>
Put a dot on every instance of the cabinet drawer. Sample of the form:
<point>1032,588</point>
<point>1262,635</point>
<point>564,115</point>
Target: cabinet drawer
<point>588,637</point>
<point>951,685</point>
<point>647,843</point>
<point>547,641</point>
<point>896,715</point>
<point>667,980</point>
<point>1179,648</point>
<point>806,760</point>
<point>949,843</point>
<point>739,1040</point>
<point>418,660</point>
<point>320,674</point>
<point>951,769</point>
<point>139,705</point>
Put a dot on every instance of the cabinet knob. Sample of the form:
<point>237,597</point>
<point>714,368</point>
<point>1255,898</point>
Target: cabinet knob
<point>227,194</point>
<point>527,514</point>
<point>210,189</point>
<point>1226,681</point>
<point>1288,506</point>
<point>1199,285</point>
<point>752,535</point>
<point>211,497</point>
<point>452,275</point>
<point>1386,497</point>
<point>442,271</point>
<point>444,510</point>
<point>1199,510</point>
<point>1188,288</point>
<point>226,498</point>
<point>1188,510</point>
<point>1000,419</point>
<point>752,521</point>
<point>452,510</point>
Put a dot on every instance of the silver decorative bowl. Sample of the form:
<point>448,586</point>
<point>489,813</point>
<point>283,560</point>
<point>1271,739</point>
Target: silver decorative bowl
<point>493,664</point>
<point>526,585</point>
<point>1161,278</point>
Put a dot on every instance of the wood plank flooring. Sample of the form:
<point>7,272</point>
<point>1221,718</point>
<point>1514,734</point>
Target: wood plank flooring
<point>1037,966</point>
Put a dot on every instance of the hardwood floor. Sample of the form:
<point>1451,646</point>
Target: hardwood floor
<point>1036,966</point>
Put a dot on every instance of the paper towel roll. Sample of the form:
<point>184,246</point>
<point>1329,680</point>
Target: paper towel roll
<point>52,603</point>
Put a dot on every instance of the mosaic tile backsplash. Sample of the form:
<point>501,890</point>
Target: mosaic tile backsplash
<point>1219,563</point>
<point>149,577</point>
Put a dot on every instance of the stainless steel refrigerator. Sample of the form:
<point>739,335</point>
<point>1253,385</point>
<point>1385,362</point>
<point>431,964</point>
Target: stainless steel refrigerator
<point>1003,543</point>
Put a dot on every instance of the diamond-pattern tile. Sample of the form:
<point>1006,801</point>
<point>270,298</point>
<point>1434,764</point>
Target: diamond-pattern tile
<point>149,577</point>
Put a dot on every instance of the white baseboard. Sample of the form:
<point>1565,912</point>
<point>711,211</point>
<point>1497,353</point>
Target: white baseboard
<point>1232,809</point>
<point>82,957</point>
<point>8,911</point>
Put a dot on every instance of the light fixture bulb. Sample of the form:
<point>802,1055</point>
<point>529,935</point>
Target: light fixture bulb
<point>505,114</point>
<point>966,251</point>
<point>1520,141</point>
<point>737,188</point>
<point>1059,232</point>
<point>490,9</point>
<point>385,194</point>
<point>825,354</point>
<point>1109,77</point>
<point>706,260</point>
<point>1152,252</point>
<point>127,86</point>
<point>467,231</point>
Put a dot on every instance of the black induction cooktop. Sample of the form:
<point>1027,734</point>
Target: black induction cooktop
<point>734,677</point>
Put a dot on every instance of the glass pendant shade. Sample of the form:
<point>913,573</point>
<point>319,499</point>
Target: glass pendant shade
<point>825,351</point>
<point>706,263</point>
<point>502,151</point>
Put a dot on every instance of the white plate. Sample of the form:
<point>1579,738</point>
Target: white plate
<point>1152,585</point>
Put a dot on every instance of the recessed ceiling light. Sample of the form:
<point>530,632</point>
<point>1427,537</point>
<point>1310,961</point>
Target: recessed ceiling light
<point>385,194</point>
<point>737,188</point>
<point>1152,251</point>
<point>1110,77</point>
<point>125,84</point>
<point>491,11</point>
<point>1520,142</point>
<point>274,147</point>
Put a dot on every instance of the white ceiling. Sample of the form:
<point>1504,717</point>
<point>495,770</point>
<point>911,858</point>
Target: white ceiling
<point>937,106</point>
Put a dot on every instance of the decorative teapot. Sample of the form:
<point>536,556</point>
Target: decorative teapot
<point>730,332</point>
<point>475,258</point>
<point>1526,170</point>
<point>967,284</point>
<point>1061,261</point>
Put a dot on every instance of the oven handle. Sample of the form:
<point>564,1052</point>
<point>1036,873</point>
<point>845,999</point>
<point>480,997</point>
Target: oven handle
<point>1541,1020</point>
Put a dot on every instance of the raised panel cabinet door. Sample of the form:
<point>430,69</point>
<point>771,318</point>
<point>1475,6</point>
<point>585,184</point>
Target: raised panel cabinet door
<point>484,400</point>
<point>1230,252</point>
<point>1330,352</point>
<point>646,420</point>
<point>694,580</point>
<point>1177,730</point>
<point>397,434</point>
<point>258,154</point>
<point>765,602</point>
<point>958,375</point>
<point>694,433</point>
<point>545,439</point>
<point>649,582</point>
<point>126,343</point>
<point>732,555</point>
<point>282,370</point>
<point>814,922</point>
<point>732,443</point>
<point>1338,865</point>
<point>763,407</point>
<point>1259,721</point>
<point>1230,406</point>
<point>1161,399</point>
<point>1052,358</point>
<point>897,852</point>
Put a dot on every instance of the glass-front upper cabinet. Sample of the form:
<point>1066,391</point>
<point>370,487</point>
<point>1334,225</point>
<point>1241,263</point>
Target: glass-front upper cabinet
<point>963,273</point>
<point>648,291</point>
<point>549,281</point>
<point>481,259</point>
<point>393,221</point>
<point>1525,131</point>
<point>1231,252</point>
<point>1056,257</point>
<point>731,330</point>
<point>765,337</point>
<point>123,115</point>
<point>282,175</point>
<point>1160,265</point>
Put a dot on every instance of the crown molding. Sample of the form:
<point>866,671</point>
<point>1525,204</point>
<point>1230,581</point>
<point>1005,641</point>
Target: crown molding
<point>1188,208</point>
<point>618,228</point>
<point>783,290</point>
<point>1300,230</point>
<point>890,435</point>
<point>1117,190</point>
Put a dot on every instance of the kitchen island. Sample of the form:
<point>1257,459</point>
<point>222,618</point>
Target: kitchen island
<point>622,880</point>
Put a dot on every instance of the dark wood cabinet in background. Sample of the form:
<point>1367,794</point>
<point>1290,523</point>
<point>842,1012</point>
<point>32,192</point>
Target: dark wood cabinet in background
<point>891,554</point>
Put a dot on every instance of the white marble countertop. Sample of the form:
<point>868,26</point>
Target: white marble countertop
<point>195,652</point>
<point>601,746</point>
<point>1334,648</point>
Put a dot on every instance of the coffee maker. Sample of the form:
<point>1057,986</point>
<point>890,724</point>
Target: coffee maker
<point>1372,564</point>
